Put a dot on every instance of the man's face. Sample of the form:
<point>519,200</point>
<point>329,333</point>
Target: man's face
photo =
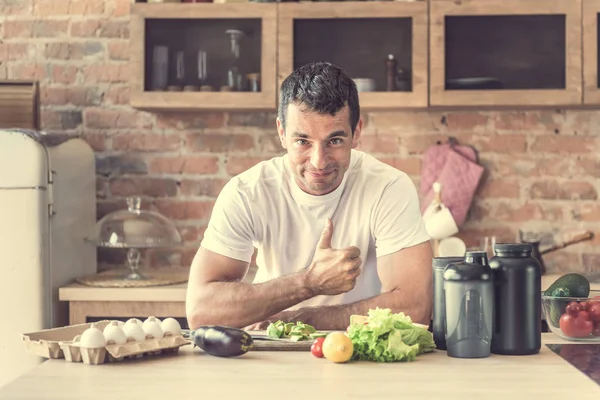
<point>318,147</point>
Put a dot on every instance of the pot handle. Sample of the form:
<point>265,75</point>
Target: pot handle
<point>579,238</point>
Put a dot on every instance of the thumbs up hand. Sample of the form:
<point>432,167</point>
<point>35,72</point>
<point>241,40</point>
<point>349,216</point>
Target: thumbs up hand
<point>332,271</point>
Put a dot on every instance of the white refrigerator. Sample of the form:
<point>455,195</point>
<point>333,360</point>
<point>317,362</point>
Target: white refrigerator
<point>47,209</point>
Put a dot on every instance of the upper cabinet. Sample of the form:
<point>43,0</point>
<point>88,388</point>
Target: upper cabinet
<point>591,36</point>
<point>195,56</point>
<point>505,52</point>
<point>382,45</point>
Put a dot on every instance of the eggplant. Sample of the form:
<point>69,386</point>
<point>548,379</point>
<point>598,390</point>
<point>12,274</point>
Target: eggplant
<point>223,341</point>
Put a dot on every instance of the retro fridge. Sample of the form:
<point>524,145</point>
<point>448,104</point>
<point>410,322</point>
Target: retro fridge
<point>47,209</point>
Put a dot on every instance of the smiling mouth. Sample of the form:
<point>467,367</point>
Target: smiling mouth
<point>320,174</point>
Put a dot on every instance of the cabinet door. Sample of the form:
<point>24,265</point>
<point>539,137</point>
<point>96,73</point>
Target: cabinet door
<point>358,37</point>
<point>203,56</point>
<point>505,52</point>
<point>591,34</point>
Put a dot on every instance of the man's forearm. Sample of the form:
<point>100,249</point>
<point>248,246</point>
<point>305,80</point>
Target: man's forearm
<point>338,317</point>
<point>239,304</point>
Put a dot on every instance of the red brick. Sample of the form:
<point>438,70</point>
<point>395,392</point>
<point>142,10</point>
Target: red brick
<point>13,51</point>
<point>73,51</point>
<point>591,262</point>
<point>236,165</point>
<point>202,187</point>
<point>586,166</point>
<point>78,96</point>
<point>146,142</point>
<point>121,8</point>
<point>49,8</point>
<point>87,7</point>
<point>118,50</point>
<point>18,29</point>
<point>96,139</point>
<point>115,73</point>
<point>100,28</point>
<point>66,74</point>
<point>269,143</point>
<point>507,212</point>
<point>499,188</point>
<point>155,187</point>
<point>586,212</point>
<point>474,236</point>
<point>185,164</point>
<point>380,144</point>
<point>117,95</point>
<point>50,29</point>
<point>410,166</point>
<point>62,119</point>
<point>513,143</point>
<point>255,119</point>
<point>219,142</point>
<point>467,121</point>
<point>565,144</point>
<point>561,262</point>
<point>527,120</point>
<point>28,71</point>
<point>407,121</point>
<point>187,255</point>
<point>16,7</point>
<point>417,144</point>
<point>185,210</point>
<point>108,118</point>
<point>569,190</point>
<point>105,207</point>
<point>201,120</point>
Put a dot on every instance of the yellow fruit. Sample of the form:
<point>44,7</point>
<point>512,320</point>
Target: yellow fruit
<point>338,347</point>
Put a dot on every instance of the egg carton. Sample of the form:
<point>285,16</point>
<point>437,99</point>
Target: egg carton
<point>64,343</point>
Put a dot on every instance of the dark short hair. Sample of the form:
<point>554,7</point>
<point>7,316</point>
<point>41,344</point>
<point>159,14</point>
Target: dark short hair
<point>321,87</point>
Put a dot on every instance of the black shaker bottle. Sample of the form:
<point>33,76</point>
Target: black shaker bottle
<point>439,311</point>
<point>469,299</point>
<point>517,300</point>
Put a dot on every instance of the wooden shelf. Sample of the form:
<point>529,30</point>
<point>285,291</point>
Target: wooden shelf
<point>591,40</point>
<point>520,18</point>
<point>357,53</point>
<point>217,18</point>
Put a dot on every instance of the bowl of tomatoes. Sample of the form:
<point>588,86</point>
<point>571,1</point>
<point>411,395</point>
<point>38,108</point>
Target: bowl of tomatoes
<point>575,319</point>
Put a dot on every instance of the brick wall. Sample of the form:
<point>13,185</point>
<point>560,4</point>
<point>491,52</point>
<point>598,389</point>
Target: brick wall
<point>542,167</point>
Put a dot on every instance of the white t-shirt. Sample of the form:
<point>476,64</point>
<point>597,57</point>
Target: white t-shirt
<point>375,208</point>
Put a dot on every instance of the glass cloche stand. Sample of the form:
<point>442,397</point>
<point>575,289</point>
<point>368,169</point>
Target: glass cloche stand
<point>135,229</point>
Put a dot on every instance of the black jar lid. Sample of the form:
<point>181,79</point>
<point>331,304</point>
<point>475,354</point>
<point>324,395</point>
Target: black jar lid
<point>442,262</point>
<point>463,272</point>
<point>519,248</point>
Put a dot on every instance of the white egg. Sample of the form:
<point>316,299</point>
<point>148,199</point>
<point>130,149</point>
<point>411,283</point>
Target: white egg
<point>113,332</point>
<point>132,321</point>
<point>134,331</point>
<point>152,327</point>
<point>170,325</point>
<point>93,338</point>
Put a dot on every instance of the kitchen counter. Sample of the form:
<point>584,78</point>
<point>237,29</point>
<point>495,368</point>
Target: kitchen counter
<point>298,375</point>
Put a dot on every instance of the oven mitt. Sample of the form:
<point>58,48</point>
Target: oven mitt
<point>459,178</point>
<point>434,159</point>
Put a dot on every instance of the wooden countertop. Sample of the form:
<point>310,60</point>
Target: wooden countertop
<point>298,375</point>
<point>79,292</point>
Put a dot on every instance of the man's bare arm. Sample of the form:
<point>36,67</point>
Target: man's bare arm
<point>407,287</point>
<point>216,295</point>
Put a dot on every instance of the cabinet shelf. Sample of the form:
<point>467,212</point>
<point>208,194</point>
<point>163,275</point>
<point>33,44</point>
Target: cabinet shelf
<point>505,52</point>
<point>358,36</point>
<point>189,28</point>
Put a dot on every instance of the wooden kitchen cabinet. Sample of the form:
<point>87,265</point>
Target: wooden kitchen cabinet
<point>186,29</point>
<point>358,37</point>
<point>506,52</point>
<point>591,41</point>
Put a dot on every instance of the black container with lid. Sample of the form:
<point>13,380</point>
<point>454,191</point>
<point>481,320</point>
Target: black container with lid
<point>439,311</point>
<point>469,300</point>
<point>517,299</point>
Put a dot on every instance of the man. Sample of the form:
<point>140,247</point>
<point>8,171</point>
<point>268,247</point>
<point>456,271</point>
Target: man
<point>337,231</point>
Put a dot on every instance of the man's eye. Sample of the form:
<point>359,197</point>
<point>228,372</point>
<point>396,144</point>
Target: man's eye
<point>336,141</point>
<point>302,142</point>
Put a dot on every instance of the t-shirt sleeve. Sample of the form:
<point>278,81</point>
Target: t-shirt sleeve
<point>397,218</point>
<point>230,231</point>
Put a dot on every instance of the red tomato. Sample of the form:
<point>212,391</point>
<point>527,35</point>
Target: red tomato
<point>317,347</point>
<point>596,330</point>
<point>579,326</point>
<point>595,311</point>
<point>573,308</point>
<point>584,306</point>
